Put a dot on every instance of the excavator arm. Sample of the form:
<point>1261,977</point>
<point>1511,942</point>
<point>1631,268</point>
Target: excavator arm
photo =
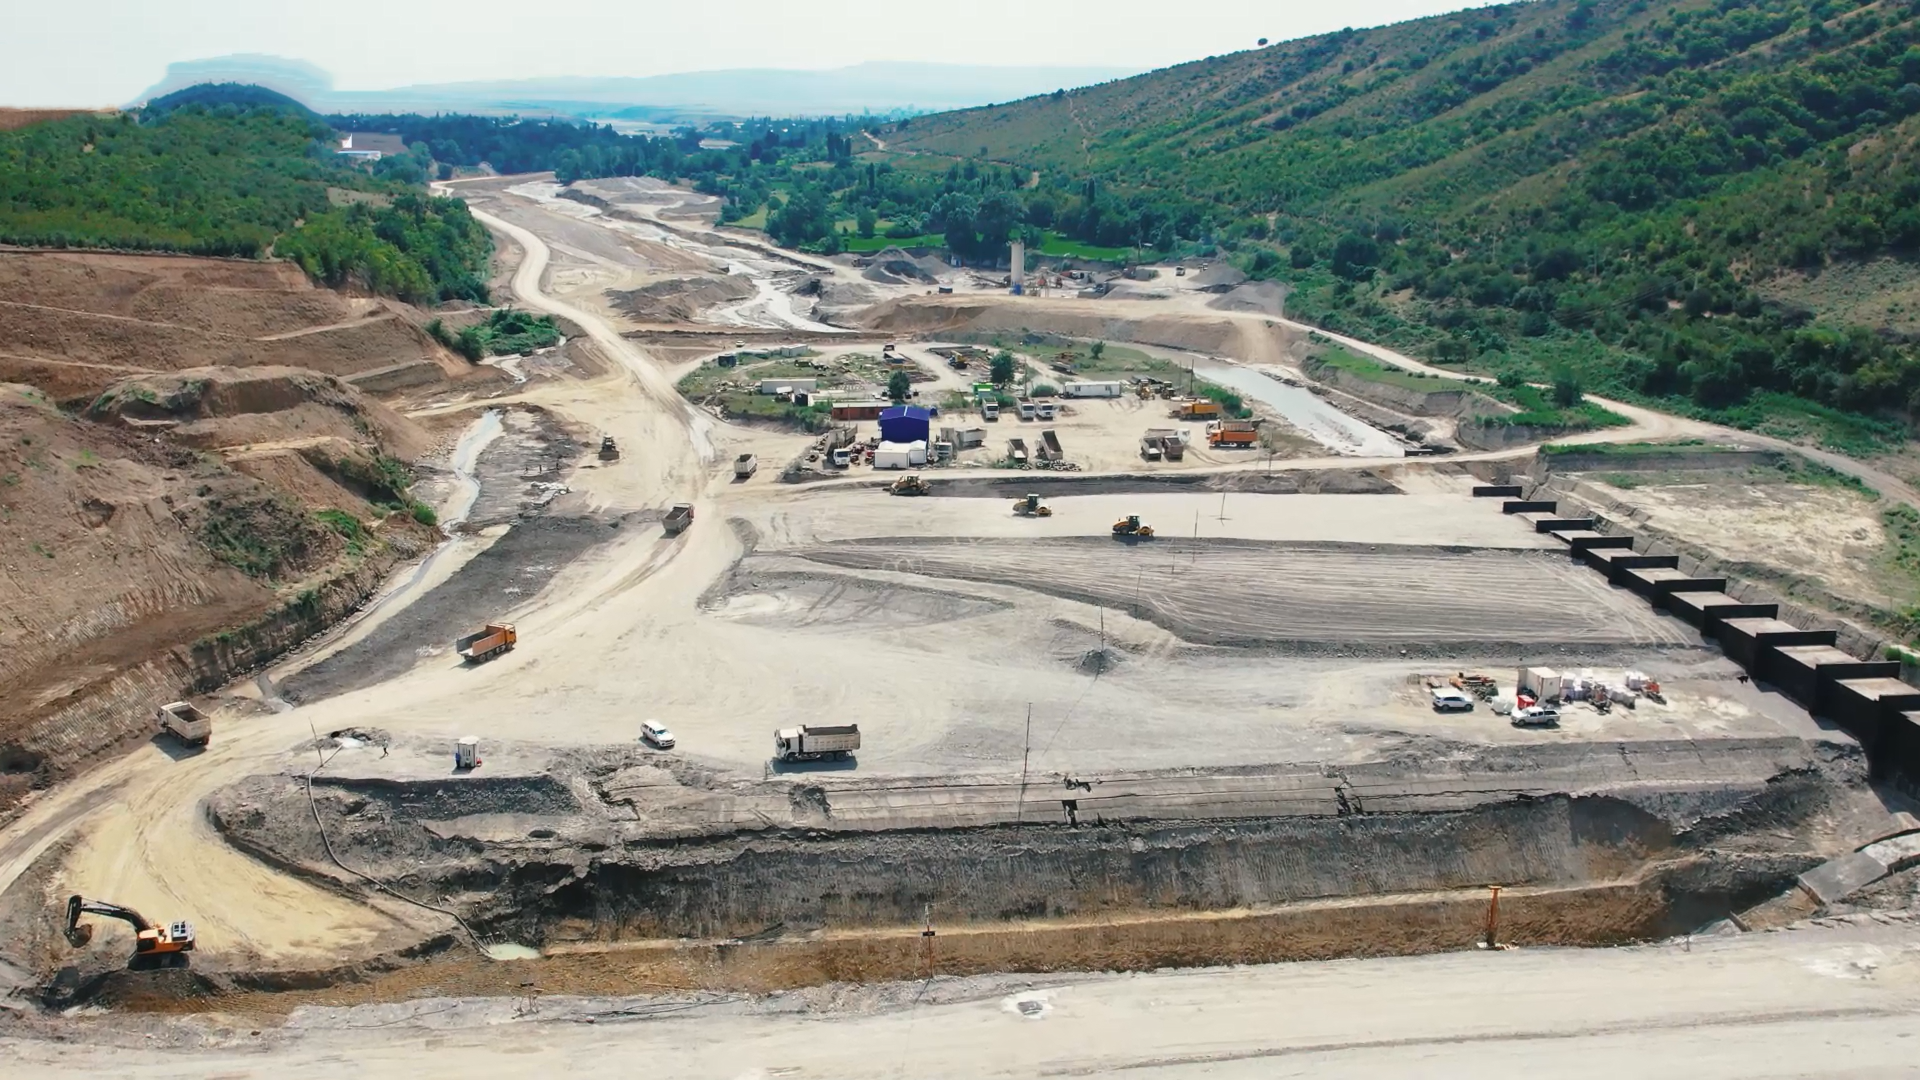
<point>78,934</point>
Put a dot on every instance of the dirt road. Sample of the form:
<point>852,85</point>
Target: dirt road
<point>1813,1002</point>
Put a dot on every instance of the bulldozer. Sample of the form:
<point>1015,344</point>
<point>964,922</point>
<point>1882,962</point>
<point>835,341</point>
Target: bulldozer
<point>1031,506</point>
<point>609,450</point>
<point>1130,526</point>
<point>910,484</point>
<point>153,946</point>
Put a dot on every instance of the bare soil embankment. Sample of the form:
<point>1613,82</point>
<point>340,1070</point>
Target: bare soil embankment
<point>602,859</point>
<point>74,322</point>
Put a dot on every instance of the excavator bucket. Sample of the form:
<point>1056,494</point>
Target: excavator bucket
<point>78,934</point>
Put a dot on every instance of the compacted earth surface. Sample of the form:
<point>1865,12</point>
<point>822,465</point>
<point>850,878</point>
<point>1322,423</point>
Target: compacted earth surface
<point>1190,755</point>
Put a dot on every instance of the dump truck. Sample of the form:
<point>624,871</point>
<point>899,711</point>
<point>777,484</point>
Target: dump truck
<point>1150,447</point>
<point>1200,409</point>
<point>837,741</point>
<point>483,645</point>
<point>609,450</point>
<point>1017,451</point>
<point>186,723</point>
<point>678,519</point>
<point>1049,447</point>
<point>1233,433</point>
<point>911,484</point>
<point>1031,506</point>
<point>153,946</point>
<point>1130,526</point>
<point>745,465</point>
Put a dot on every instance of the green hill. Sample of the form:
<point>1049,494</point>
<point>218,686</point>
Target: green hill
<point>237,179</point>
<point>1648,195</point>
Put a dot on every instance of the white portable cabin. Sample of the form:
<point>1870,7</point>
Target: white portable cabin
<point>1093,389</point>
<point>896,456</point>
<point>466,753</point>
<point>1543,683</point>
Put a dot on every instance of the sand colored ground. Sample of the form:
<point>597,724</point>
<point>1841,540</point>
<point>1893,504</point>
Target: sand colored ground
<point>651,626</point>
<point>1829,534</point>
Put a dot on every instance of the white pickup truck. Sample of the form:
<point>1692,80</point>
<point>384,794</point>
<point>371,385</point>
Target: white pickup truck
<point>186,723</point>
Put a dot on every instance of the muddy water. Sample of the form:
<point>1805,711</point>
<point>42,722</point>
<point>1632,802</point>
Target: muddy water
<point>466,456</point>
<point>1305,410</point>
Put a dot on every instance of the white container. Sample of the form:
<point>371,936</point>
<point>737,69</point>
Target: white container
<point>1543,683</point>
<point>466,753</point>
<point>1093,389</point>
<point>917,452</point>
<point>1636,680</point>
<point>892,456</point>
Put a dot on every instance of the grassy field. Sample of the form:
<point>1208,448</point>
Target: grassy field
<point>755,220</point>
<point>1065,248</point>
<point>881,243</point>
<point>1634,450</point>
<point>1386,374</point>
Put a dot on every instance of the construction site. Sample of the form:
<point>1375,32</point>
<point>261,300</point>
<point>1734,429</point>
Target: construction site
<point>727,674</point>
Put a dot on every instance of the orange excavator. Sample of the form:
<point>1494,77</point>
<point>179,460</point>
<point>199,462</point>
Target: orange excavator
<point>153,946</point>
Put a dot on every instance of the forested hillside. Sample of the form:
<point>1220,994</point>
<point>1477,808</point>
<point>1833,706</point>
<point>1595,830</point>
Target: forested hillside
<point>238,181</point>
<point>1642,193</point>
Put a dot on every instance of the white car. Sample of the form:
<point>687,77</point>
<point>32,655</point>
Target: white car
<point>656,734</point>
<point>1448,699</point>
<point>1536,716</point>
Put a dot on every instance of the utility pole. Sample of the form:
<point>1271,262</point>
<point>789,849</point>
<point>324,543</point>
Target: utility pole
<point>1020,805</point>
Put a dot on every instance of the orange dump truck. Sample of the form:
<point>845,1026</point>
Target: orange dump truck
<point>1233,433</point>
<point>497,638</point>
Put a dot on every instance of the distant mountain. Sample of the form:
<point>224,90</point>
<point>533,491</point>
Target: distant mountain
<point>876,87</point>
<point>244,95</point>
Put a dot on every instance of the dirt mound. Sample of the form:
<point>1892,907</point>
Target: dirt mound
<point>894,266</point>
<point>222,407</point>
<point>1220,275</point>
<point>680,299</point>
<point>1259,297</point>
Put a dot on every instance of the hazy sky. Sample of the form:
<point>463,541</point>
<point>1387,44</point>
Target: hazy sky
<point>103,52</point>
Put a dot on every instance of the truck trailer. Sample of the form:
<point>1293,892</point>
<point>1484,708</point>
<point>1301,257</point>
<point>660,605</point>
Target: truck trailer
<point>186,723</point>
<point>837,741</point>
<point>678,519</point>
<point>486,644</point>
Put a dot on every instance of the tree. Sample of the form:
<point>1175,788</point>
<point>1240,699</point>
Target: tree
<point>1566,389</point>
<point>1355,256</point>
<point>996,218</point>
<point>1097,349</point>
<point>1000,370</point>
<point>865,222</point>
<point>899,386</point>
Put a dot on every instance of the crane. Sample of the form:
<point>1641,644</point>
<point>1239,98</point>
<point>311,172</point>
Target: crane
<point>153,946</point>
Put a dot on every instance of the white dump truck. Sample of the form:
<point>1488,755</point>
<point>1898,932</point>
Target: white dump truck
<point>837,741</point>
<point>745,465</point>
<point>186,723</point>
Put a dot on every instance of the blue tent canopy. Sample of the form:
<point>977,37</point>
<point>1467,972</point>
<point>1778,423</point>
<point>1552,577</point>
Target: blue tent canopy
<point>905,423</point>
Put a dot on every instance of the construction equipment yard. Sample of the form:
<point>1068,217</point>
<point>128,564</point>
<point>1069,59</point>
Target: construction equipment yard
<point>1080,748</point>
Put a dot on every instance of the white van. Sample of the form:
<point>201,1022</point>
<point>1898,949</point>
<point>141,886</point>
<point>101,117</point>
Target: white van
<point>656,734</point>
